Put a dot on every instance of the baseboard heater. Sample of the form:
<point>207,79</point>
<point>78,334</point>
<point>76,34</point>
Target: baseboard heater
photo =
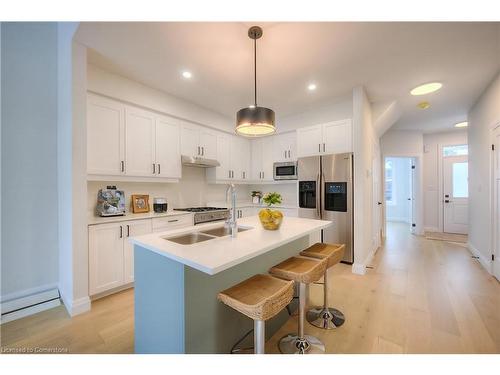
<point>24,306</point>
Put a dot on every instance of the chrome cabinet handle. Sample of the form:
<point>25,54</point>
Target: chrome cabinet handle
<point>288,154</point>
<point>228,174</point>
<point>319,147</point>
<point>198,150</point>
<point>323,147</point>
<point>121,231</point>
<point>203,150</point>
<point>122,166</point>
<point>154,168</point>
<point>173,221</point>
<point>128,230</point>
<point>159,168</point>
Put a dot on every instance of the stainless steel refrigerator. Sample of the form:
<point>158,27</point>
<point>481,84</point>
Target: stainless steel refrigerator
<point>326,192</point>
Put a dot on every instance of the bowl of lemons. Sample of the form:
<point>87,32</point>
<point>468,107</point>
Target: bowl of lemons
<point>271,219</point>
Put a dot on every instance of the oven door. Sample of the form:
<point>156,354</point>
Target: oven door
<point>285,171</point>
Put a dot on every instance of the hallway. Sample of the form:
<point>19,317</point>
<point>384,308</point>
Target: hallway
<point>422,296</point>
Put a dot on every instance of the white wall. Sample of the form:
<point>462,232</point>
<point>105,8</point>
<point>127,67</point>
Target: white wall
<point>29,158</point>
<point>483,117</point>
<point>433,176</point>
<point>115,86</point>
<point>400,210</point>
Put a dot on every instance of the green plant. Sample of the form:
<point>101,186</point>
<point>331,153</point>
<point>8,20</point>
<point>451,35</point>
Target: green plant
<point>272,198</point>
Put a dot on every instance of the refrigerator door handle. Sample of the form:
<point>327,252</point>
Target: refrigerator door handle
<point>318,196</point>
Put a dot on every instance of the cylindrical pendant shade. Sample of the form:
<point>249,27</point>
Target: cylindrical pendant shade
<point>255,122</point>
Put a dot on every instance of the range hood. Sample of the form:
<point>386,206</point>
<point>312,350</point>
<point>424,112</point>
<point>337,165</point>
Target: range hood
<point>196,161</point>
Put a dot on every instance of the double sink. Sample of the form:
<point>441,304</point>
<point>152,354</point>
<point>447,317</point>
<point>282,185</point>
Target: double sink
<point>205,235</point>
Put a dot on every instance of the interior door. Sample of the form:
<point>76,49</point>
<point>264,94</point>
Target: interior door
<point>412,198</point>
<point>377,197</point>
<point>496,202</point>
<point>167,149</point>
<point>456,194</point>
<point>139,141</point>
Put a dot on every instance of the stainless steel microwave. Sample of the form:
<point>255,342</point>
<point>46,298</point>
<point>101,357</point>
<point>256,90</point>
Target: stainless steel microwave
<point>285,170</point>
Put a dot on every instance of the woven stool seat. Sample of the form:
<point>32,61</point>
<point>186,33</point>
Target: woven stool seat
<point>260,297</point>
<point>303,270</point>
<point>333,252</point>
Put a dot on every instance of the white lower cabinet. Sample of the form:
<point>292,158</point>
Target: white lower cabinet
<point>132,228</point>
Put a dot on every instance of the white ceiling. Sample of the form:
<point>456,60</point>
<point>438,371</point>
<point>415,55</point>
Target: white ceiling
<point>387,58</point>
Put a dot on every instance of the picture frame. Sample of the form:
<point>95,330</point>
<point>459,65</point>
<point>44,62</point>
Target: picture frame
<point>140,203</point>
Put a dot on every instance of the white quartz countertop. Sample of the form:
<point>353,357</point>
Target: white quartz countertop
<point>130,216</point>
<point>220,253</point>
<point>242,204</point>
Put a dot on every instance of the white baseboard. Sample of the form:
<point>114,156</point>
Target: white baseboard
<point>76,307</point>
<point>28,304</point>
<point>486,263</point>
<point>360,268</point>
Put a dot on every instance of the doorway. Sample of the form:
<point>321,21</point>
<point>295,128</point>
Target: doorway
<point>455,189</point>
<point>399,190</point>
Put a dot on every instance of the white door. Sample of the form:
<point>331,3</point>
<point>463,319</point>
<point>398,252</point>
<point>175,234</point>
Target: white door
<point>337,137</point>
<point>132,228</point>
<point>167,149</point>
<point>310,141</point>
<point>267,159</point>
<point>105,136</point>
<point>139,142</point>
<point>496,202</point>
<point>208,144</point>
<point>413,195</point>
<point>456,194</point>
<point>190,140</point>
<point>256,162</point>
<point>105,257</point>
<point>377,197</point>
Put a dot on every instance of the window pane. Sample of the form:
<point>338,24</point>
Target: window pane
<point>457,150</point>
<point>389,195</point>
<point>460,180</point>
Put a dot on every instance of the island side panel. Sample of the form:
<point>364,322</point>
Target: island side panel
<point>212,327</point>
<point>159,303</point>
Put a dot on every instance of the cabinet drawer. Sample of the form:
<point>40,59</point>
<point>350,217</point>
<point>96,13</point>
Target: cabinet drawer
<point>169,222</point>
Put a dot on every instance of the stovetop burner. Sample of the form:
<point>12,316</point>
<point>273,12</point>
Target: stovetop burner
<point>200,209</point>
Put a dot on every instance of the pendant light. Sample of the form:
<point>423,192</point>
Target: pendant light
<point>255,121</point>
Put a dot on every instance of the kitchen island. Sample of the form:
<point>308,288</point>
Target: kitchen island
<point>179,273</point>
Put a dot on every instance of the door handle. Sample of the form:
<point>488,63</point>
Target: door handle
<point>447,201</point>
<point>379,203</point>
<point>409,199</point>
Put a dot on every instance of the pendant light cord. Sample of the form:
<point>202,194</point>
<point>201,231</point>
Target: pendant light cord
<point>255,71</point>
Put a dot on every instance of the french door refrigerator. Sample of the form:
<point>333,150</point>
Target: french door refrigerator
<point>326,192</point>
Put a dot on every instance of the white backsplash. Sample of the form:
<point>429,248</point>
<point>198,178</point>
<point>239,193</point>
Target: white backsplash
<point>192,190</point>
<point>288,192</point>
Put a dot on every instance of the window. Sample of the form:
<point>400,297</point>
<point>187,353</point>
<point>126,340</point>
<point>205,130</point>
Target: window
<point>460,180</point>
<point>455,150</point>
<point>390,197</point>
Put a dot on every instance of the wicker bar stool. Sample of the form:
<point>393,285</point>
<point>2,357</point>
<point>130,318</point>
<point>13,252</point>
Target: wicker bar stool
<point>325,317</point>
<point>260,297</point>
<point>304,271</point>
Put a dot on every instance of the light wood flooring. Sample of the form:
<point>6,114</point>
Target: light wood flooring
<point>421,296</point>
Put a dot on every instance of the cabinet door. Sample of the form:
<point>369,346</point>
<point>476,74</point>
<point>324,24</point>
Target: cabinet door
<point>245,154</point>
<point>256,162</point>
<point>167,149</point>
<point>337,137</point>
<point>190,140</point>
<point>291,143</point>
<point>105,136</point>
<point>208,144</point>
<point>280,148</point>
<point>223,157</point>
<point>309,141</point>
<point>267,159</point>
<point>130,229</point>
<point>105,257</point>
<point>139,142</point>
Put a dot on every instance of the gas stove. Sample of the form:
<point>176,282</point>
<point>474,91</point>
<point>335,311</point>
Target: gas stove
<point>206,214</point>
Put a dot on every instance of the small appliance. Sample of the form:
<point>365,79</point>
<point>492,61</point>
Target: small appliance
<point>160,205</point>
<point>285,170</point>
<point>110,202</point>
<point>206,214</point>
<point>326,192</point>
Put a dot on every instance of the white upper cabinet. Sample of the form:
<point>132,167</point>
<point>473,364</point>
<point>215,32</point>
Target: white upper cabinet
<point>105,136</point>
<point>262,159</point>
<point>198,141</point>
<point>330,138</point>
<point>256,163</point>
<point>285,147</point>
<point>139,144</point>
<point>223,156</point>
<point>233,154</point>
<point>167,149</point>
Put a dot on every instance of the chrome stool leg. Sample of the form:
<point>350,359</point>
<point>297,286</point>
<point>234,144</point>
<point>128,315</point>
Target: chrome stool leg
<point>259,336</point>
<point>301,343</point>
<point>325,317</point>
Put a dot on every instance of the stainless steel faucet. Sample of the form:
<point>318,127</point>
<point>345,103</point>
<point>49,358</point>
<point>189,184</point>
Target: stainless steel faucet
<point>231,220</point>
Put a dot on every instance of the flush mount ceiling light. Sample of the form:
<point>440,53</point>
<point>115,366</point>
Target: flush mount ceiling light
<point>462,124</point>
<point>423,105</point>
<point>255,121</point>
<point>186,74</point>
<point>426,88</point>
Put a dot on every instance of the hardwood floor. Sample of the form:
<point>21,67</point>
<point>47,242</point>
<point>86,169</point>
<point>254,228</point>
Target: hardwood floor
<point>421,296</point>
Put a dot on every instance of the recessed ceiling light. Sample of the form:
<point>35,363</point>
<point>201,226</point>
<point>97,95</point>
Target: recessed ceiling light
<point>423,105</point>
<point>426,88</point>
<point>311,87</point>
<point>462,124</point>
<point>186,74</point>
